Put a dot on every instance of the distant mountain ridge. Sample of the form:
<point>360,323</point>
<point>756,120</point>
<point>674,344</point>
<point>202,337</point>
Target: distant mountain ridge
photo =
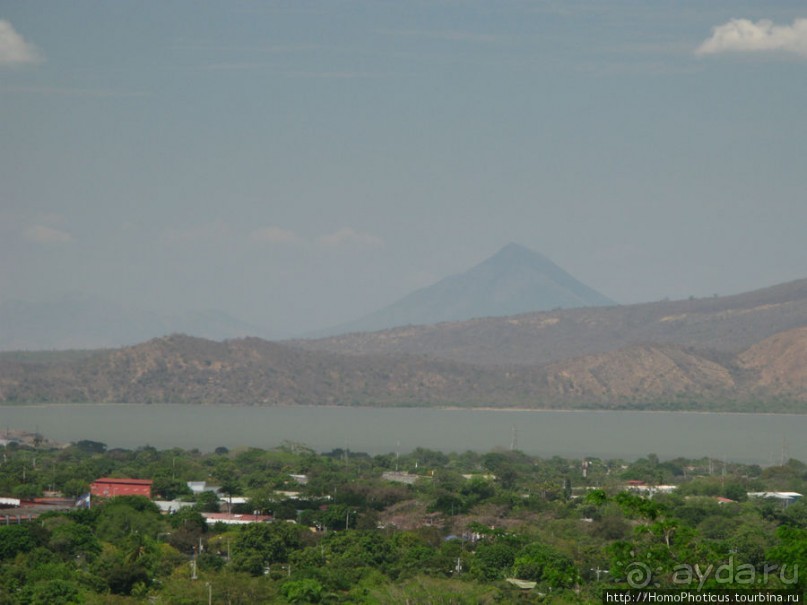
<point>185,369</point>
<point>514,280</point>
<point>727,324</point>
<point>746,352</point>
<point>767,377</point>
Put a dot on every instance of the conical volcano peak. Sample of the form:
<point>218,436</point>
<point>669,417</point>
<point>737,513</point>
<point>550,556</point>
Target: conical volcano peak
<point>516,253</point>
<point>514,280</point>
<point>516,250</point>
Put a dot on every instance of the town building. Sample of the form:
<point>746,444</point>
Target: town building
<point>235,519</point>
<point>785,497</point>
<point>107,487</point>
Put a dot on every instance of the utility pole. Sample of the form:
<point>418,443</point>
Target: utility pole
<point>193,563</point>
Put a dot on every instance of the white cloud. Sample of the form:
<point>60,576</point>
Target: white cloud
<point>41,234</point>
<point>350,237</point>
<point>743,35</point>
<point>274,235</point>
<point>14,50</point>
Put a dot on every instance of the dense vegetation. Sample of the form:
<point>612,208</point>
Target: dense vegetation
<point>466,524</point>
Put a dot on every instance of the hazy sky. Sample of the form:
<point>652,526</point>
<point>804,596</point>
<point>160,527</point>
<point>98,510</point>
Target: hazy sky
<point>300,163</point>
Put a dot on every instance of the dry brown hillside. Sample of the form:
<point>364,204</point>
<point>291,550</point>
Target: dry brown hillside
<point>640,373</point>
<point>747,352</point>
<point>779,363</point>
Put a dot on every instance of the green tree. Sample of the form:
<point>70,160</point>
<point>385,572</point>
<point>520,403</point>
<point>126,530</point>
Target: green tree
<point>791,554</point>
<point>412,555</point>
<point>493,559</point>
<point>188,518</point>
<point>597,497</point>
<point>74,540</point>
<point>169,488</point>
<point>16,539</point>
<point>260,544</point>
<point>449,504</point>
<point>54,592</point>
<point>27,491</point>
<point>126,515</point>
<point>336,517</point>
<point>74,488</point>
<point>360,548</point>
<point>637,506</point>
<point>302,591</point>
<point>795,515</point>
<point>207,502</point>
<point>86,446</point>
<point>118,574</point>
<point>540,563</point>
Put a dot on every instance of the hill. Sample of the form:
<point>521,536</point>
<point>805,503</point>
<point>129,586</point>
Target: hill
<point>779,362</point>
<point>514,280</point>
<point>727,325</point>
<point>185,369</point>
<point>745,352</point>
<point>182,369</point>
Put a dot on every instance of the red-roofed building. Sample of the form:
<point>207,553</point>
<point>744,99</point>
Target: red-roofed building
<point>109,488</point>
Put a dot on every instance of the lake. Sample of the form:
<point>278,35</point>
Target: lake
<point>752,438</point>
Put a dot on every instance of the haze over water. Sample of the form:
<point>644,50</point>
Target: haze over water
<point>763,439</point>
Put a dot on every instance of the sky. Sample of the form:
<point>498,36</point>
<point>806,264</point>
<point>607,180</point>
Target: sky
<point>299,164</point>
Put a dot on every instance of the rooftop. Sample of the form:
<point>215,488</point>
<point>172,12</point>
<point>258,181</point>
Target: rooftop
<point>118,480</point>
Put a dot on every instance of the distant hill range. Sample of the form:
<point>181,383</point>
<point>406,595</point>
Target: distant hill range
<point>514,280</point>
<point>82,322</point>
<point>738,353</point>
<point>720,325</point>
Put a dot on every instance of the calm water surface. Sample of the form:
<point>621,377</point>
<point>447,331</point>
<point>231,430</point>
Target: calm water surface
<point>756,438</point>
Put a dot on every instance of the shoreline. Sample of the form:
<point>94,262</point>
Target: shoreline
<point>445,408</point>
